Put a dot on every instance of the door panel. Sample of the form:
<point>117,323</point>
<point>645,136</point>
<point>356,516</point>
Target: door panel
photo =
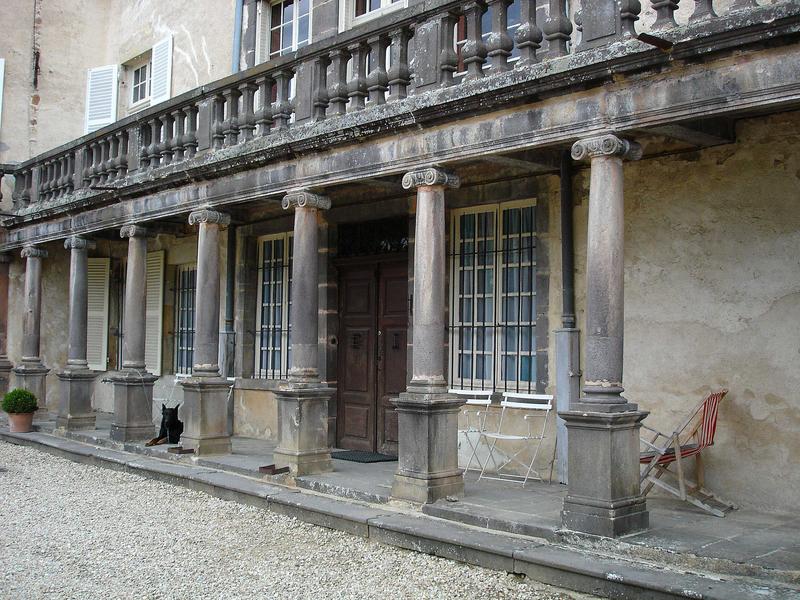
<point>357,359</point>
<point>392,349</point>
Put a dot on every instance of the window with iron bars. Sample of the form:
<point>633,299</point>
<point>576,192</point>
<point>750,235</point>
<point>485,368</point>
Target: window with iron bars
<point>273,334</point>
<point>185,286</point>
<point>493,298</point>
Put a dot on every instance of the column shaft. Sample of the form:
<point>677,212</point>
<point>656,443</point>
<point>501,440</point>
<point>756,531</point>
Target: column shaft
<point>78,304</point>
<point>305,297</point>
<point>133,325</point>
<point>4,269</point>
<point>206,340</point>
<point>31,324</point>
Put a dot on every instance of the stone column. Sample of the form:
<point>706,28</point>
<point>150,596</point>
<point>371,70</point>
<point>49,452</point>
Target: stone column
<point>205,394</point>
<point>31,374</point>
<point>604,495</point>
<point>427,416</point>
<point>75,402</point>
<point>133,385</point>
<point>303,399</point>
<point>5,364</point>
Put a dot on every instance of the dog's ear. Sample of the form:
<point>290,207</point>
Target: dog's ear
<point>177,407</point>
<point>163,406</point>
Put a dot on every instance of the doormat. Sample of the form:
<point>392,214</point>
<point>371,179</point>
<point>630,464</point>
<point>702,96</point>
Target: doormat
<point>362,457</point>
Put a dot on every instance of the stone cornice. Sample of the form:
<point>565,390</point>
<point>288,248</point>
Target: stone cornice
<point>33,252</point>
<point>76,242</point>
<point>133,231</point>
<point>431,176</point>
<point>206,215</point>
<point>606,145</point>
<point>304,198</point>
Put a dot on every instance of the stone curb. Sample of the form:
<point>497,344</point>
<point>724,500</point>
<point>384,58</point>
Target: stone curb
<point>566,567</point>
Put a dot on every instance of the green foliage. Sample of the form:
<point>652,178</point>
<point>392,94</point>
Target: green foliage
<point>19,402</point>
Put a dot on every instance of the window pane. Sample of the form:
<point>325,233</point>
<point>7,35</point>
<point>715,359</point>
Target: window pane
<point>361,7</point>
<point>287,37</point>
<point>302,31</point>
<point>303,7</point>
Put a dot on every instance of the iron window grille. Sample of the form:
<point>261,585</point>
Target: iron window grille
<point>185,290</point>
<point>492,332</point>
<point>273,337</point>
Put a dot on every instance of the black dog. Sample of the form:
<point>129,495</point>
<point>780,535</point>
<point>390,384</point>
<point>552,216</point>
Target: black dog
<point>171,427</point>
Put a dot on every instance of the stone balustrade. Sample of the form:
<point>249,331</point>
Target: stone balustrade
<point>384,61</point>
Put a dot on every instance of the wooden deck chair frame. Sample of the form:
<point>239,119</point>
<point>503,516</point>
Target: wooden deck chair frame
<point>539,408</point>
<point>475,420</point>
<point>694,434</point>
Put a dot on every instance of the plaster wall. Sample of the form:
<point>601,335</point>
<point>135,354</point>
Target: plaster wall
<point>712,300</point>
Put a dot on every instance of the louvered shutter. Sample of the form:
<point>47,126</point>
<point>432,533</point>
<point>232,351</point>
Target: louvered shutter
<point>262,33</point>
<point>2,74</point>
<point>154,311</point>
<point>101,97</point>
<point>161,75</point>
<point>97,322</point>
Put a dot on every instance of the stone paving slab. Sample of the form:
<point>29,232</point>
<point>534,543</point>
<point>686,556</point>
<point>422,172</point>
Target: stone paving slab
<point>599,572</point>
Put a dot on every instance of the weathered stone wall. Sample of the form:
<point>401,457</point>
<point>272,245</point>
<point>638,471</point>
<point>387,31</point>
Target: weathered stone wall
<point>712,300</point>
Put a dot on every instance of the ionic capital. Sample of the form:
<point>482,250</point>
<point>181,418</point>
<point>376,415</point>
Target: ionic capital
<point>34,252</point>
<point>76,242</point>
<point>206,215</point>
<point>606,145</point>
<point>432,176</point>
<point>304,198</point>
<point>133,231</point>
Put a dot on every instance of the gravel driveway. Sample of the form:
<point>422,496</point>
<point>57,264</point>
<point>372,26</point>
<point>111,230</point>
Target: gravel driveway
<point>74,531</point>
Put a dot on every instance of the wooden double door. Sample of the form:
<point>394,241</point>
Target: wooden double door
<point>372,354</point>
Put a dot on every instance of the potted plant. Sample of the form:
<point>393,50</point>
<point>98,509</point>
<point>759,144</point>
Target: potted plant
<point>20,406</point>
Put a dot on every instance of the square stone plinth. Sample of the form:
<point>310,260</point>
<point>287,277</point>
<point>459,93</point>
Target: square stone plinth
<point>133,406</point>
<point>604,496</point>
<point>428,447</point>
<point>205,415</point>
<point>303,430</point>
<point>33,377</point>
<point>75,401</point>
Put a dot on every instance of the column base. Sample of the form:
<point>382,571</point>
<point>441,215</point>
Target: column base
<point>32,376</point>
<point>133,405</point>
<point>5,376</point>
<point>75,401</point>
<point>205,415</point>
<point>604,496</point>
<point>428,447</point>
<point>303,430</point>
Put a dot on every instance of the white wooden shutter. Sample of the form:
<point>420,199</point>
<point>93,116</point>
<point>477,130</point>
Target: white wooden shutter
<point>262,33</point>
<point>97,323</point>
<point>101,97</point>
<point>2,73</point>
<point>161,75</point>
<point>154,311</point>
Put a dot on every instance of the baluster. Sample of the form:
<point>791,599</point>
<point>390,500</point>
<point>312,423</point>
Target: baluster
<point>44,184</point>
<point>26,190</point>
<point>177,138</point>
<point>155,141</point>
<point>337,90</point>
<point>474,50</point>
<point>499,44</point>
<point>282,111</point>
<point>113,158</point>
<point>557,29</point>
<point>377,79</point>
<point>743,4</point>
<point>165,147</point>
<point>122,156</point>
<point>231,127</point>
<point>665,13</point>
<point>62,175</point>
<point>320,91</point>
<point>629,14</point>
<point>217,123</point>
<point>86,174</point>
<point>95,163</point>
<point>703,9</point>
<point>69,175</point>
<point>247,120</point>
<point>528,36</point>
<point>105,156</point>
<point>399,73</point>
<point>190,135</point>
<point>357,86</point>
<point>264,115</point>
<point>448,59</point>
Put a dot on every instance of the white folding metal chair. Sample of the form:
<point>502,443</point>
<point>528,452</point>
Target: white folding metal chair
<point>475,419</point>
<point>513,445</point>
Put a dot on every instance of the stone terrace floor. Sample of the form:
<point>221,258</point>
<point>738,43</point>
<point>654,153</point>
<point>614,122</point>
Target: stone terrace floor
<point>745,542</point>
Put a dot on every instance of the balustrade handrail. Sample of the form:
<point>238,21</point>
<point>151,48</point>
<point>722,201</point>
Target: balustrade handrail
<point>226,112</point>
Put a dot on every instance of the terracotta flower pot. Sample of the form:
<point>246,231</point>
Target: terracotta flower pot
<point>20,422</point>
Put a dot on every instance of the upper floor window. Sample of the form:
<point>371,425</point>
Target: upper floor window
<point>282,27</point>
<point>140,84</point>
<point>355,12</point>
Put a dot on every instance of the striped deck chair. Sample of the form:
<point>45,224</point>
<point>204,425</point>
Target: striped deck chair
<point>693,435</point>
